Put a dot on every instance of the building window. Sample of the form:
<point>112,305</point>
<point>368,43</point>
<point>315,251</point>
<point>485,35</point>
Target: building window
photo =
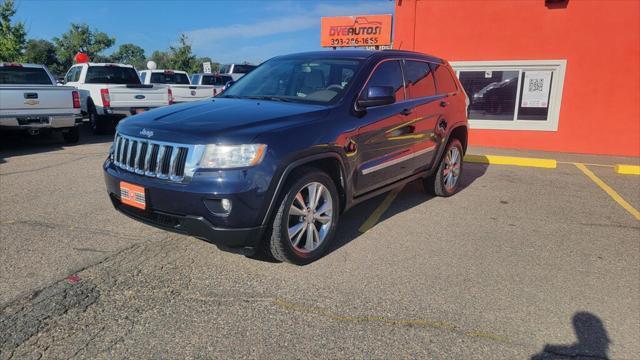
<point>513,95</point>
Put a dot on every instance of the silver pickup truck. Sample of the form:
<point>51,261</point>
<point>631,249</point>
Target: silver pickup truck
<point>178,81</point>
<point>30,101</point>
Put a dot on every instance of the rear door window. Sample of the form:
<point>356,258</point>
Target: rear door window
<point>444,79</point>
<point>388,73</point>
<point>169,78</point>
<point>18,75</point>
<point>419,78</point>
<point>112,75</point>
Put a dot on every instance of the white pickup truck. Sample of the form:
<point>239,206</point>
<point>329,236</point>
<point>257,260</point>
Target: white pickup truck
<point>179,83</point>
<point>110,92</point>
<point>236,71</point>
<point>31,101</point>
<point>216,80</point>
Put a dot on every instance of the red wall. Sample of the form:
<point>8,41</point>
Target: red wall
<point>600,110</point>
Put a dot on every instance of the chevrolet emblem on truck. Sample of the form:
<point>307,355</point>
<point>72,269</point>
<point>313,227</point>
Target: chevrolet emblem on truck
<point>147,133</point>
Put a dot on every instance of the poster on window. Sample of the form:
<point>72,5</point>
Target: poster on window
<point>535,92</point>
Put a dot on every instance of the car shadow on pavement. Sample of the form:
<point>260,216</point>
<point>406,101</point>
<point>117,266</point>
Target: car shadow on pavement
<point>592,341</point>
<point>18,144</point>
<point>412,195</point>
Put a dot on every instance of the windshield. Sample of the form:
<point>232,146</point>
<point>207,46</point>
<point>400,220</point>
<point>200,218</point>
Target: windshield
<point>18,75</point>
<point>112,75</point>
<point>215,79</point>
<point>300,80</point>
<point>169,78</point>
<point>243,69</point>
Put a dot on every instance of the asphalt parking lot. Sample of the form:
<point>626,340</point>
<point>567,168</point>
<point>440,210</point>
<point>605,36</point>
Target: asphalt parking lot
<point>523,263</point>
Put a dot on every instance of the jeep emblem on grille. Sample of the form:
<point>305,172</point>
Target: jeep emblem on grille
<point>147,133</point>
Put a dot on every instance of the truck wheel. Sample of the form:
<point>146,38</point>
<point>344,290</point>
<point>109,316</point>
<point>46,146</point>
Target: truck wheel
<point>71,135</point>
<point>446,180</point>
<point>306,220</point>
<point>98,123</point>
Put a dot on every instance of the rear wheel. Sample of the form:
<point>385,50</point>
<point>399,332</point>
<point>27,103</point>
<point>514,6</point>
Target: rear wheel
<point>306,220</point>
<point>71,135</point>
<point>98,123</point>
<point>446,180</point>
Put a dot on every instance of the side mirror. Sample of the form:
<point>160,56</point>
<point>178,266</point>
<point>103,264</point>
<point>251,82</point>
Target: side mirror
<point>376,96</point>
<point>228,85</point>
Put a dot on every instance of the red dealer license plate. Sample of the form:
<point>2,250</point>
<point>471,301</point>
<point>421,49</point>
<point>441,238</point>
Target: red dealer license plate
<point>132,195</point>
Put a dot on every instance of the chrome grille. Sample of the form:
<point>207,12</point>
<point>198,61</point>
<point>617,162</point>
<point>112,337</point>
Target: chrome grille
<point>157,159</point>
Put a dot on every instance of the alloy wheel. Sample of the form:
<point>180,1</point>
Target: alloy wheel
<point>451,170</point>
<point>310,217</point>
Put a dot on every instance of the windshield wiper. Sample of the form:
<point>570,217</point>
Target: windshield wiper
<point>271,98</point>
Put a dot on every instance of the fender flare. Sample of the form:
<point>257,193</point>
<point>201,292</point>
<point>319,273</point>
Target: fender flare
<point>295,164</point>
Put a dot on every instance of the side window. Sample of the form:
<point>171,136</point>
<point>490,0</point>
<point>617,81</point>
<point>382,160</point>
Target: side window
<point>420,81</point>
<point>388,74</point>
<point>444,79</point>
<point>73,74</point>
<point>143,75</point>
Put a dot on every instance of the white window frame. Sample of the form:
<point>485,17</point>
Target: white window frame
<point>558,67</point>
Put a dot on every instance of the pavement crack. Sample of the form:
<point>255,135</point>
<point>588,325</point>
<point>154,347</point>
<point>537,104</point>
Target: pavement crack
<point>424,323</point>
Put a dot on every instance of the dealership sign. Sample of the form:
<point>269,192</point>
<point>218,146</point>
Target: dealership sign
<point>362,30</point>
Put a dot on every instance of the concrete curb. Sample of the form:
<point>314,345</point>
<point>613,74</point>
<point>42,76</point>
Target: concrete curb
<point>511,160</point>
<point>627,169</point>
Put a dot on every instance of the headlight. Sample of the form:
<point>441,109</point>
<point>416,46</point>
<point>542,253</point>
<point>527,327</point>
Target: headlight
<point>232,156</point>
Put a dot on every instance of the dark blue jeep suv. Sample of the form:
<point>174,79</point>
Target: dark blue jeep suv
<point>273,161</point>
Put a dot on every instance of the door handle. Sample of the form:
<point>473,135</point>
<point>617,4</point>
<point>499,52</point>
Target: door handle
<point>406,111</point>
<point>444,103</point>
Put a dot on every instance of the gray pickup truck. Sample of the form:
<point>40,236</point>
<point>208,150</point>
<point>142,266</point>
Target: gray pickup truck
<point>30,101</point>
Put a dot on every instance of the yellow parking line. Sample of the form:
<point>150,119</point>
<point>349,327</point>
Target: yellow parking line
<point>511,160</point>
<point>377,213</point>
<point>628,169</point>
<point>614,195</point>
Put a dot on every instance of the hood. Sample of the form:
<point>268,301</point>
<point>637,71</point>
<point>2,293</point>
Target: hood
<point>219,120</point>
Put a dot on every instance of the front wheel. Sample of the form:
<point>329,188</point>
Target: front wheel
<point>306,220</point>
<point>446,180</point>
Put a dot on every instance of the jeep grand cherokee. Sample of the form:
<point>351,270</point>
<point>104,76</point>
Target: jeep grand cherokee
<point>273,161</point>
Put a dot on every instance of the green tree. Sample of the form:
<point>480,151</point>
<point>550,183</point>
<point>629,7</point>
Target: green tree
<point>12,36</point>
<point>130,54</point>
<point>161,58</point>
<point>40,51</point>
<point>80,38</point>
<point>181,57</point>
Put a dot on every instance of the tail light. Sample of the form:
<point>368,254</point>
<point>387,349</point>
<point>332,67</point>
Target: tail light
<point>106,98</point>
<point>76,99</point>
<point>170,96</point>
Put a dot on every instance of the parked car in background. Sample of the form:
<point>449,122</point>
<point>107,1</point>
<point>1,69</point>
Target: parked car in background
<point>110,92</point>
<point>179,83</point>
<point>273,161</point>
<point>218,81</point>
<point>31,101</point>
<point>236,71</point>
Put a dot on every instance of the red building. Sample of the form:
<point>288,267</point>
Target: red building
<point>541,75</point>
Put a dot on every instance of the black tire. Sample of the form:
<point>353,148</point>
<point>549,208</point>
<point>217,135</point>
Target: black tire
<point>71,135</point>
<point>279,244</point>
<point>436,184</point>
<point>99,124</point>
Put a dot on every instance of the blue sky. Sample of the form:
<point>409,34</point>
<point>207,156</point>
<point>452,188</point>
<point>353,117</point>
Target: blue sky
<point>226,31</point>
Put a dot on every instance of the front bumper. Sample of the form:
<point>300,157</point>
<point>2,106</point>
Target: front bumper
<point>197,226</point>
<point>180,206</point>
<point>58,121</point>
